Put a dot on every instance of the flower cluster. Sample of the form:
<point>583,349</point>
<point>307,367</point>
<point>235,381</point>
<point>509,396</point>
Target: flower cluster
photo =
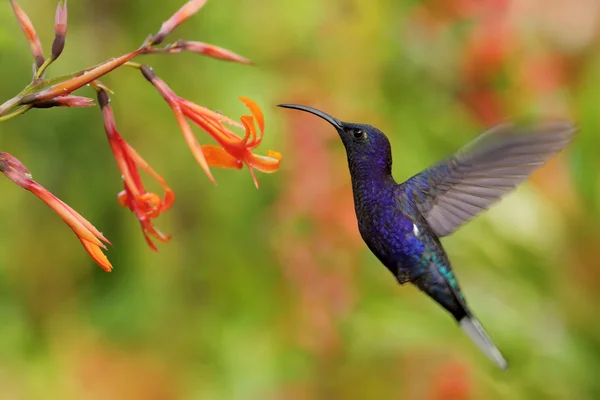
<point>231,150</point>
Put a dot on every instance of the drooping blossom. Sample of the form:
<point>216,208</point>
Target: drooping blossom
<point>145,205</point>
<point>91,239</point>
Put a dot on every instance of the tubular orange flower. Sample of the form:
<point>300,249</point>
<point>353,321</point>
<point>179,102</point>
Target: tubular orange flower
<point>29,30</point>
<point>173,100</point>
<point>91,239</point>
<point>145,205</point>
<point>186,11</point>
<point>233,151</point>
<point>207,50</point>
<point>200,48</point>
<point>236,151</point>
<point>64,88</point>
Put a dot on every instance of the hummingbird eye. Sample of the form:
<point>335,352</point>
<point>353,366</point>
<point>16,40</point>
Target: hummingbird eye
<point>359,134</point>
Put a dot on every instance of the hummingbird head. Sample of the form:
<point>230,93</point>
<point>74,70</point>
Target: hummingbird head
<point>365,145</point>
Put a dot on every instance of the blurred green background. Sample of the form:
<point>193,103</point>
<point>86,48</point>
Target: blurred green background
<point>271,294</point>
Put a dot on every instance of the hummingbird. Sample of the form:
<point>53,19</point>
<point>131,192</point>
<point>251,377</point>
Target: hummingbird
<point>402,223</point>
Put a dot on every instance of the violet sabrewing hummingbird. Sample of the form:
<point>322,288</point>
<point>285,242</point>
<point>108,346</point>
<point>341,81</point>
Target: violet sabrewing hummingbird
<point>402,223</point>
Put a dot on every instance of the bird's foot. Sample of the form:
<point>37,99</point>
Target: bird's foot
<point>403,277</point>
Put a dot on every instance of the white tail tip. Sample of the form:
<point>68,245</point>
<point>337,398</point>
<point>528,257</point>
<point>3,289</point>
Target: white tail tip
<point>478,335</point>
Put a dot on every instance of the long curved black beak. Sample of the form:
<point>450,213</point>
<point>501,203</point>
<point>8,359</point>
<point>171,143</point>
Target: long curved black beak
<point>332,120</point>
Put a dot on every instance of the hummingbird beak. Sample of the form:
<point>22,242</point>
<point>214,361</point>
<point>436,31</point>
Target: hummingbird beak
<point>332,120</point>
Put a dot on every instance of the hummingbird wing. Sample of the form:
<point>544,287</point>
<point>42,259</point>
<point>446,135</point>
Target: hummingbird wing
<point>455,190</point>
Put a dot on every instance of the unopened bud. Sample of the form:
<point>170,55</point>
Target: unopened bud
<point>186,11</point>
<point>29,30</point>
<point>60,30</point>
<point>65,101</point>
<point>103,98</point>
<point>213,51</point>
<point>148,73</point>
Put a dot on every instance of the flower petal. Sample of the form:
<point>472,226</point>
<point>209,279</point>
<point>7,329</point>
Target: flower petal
<point>192,142</point>
<point>217,157</point>
<point>142,164</point>
<point>217,131</point>
<point>86,223</point>
<point>256,112</point>
<point>97,255</point>
<point>249,127</point>
<point>149,230</point>
<point>65,213</point>
<point>195,108</point>
<point>268,164</point>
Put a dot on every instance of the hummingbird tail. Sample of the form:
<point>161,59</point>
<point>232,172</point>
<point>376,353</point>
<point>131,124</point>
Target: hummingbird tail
<point>475,331</point>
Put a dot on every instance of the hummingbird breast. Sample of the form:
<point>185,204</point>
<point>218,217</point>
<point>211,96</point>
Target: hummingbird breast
<point>393,229</point>
<point>398,235</point>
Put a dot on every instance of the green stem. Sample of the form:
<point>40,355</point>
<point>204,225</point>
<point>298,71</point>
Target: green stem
<point>43,68</point>
<point>17,112</point>
<point>133,65</point>
<point>10,104</point>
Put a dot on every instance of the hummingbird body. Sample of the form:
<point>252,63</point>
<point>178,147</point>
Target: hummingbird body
<point>392,227</point>
<point>402,223</point>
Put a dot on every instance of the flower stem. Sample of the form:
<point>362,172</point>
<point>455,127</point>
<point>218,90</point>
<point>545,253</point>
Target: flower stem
<point>42,69</point>
<point>133,64</point>
<point>17,112</point>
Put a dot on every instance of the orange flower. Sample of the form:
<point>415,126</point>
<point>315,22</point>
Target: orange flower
<point>90,237</point>
<point>233,151</point>
<point>29,30</point>
<point>186,11</point>
<point>173,101</point>
<point>207,50</point>
<point>66,87</point>
<point>145,205</point>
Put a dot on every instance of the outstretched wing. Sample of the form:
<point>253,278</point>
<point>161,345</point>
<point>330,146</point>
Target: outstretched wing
<point>452,192</point>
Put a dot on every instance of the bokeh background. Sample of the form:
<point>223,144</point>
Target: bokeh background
<point>271,294</point>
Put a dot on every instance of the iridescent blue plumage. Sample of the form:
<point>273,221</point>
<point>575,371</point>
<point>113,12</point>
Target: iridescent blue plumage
<point>401,223</point>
